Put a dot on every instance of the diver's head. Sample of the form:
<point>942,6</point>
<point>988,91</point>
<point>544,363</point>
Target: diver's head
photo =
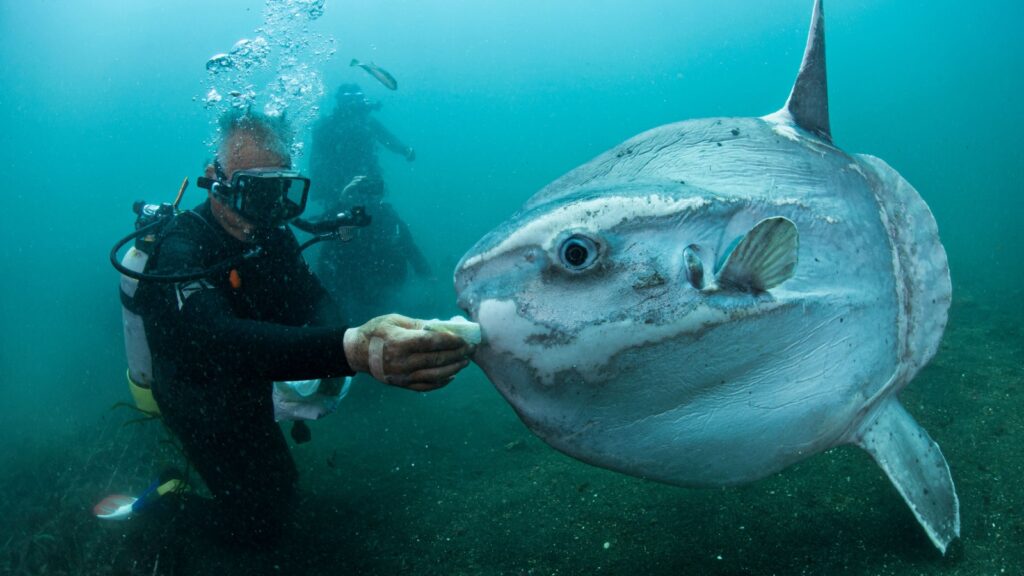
<point>252,140</point>
<point>252,186</point>
<point>350,99</point>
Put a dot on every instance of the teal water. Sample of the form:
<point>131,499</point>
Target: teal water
<point>102,104</point>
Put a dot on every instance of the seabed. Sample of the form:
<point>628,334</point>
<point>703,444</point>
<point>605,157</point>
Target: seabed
<point>452,483</point>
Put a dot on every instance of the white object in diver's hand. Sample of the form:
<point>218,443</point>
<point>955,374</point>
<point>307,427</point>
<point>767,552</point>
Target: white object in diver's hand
<point>459,326</point>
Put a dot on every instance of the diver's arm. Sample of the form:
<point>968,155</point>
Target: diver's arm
<point>262,350</point>
<point>206,327</point>
<point>203,324</point>
<point>389,140</point>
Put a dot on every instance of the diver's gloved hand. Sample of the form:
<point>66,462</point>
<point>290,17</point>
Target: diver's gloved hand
<point>398,351</point>
<point>410,154</point>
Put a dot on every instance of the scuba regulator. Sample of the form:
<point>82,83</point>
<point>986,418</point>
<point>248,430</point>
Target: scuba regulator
<point>332,227</point>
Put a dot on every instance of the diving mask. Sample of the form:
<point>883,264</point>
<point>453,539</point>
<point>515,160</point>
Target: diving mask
<point>264,197</point>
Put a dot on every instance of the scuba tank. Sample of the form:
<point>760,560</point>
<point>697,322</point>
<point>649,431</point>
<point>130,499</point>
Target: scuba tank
<point>150,220</point>
<point>136,346</point>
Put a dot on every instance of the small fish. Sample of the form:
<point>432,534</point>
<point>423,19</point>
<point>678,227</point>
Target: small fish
<point>382,75</point>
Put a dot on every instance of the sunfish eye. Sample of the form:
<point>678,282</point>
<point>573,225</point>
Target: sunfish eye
<point>578,253</point>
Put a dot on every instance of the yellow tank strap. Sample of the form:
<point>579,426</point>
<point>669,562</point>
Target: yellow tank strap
<point>172,485</point>
<point>143,397</point>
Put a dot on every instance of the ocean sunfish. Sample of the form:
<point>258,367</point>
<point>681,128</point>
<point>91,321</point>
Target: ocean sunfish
<point>714,300</point>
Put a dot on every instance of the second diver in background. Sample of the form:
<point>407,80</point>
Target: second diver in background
<point>344,164</point>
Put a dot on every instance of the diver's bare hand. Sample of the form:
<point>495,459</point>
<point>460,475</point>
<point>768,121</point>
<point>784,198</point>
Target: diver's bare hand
<point>398,351</point>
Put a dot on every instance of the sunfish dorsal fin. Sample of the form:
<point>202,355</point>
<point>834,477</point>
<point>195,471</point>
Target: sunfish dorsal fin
<point>763,259</point>
<point>808,101</point>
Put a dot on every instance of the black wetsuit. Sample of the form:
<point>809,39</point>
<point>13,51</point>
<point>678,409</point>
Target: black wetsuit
<point>218,344</point>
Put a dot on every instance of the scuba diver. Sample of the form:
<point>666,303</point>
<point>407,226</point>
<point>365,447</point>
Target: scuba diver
<point>226,307</point>
<point>344,163</point>
<point>345,145</point>
<point>382,252</point>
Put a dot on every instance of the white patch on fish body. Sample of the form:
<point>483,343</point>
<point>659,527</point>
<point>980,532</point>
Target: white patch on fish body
<point>589,350</point>
<point>782,124</point>
<point>798,203</point>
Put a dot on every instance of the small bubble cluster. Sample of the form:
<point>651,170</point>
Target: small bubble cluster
<point>277,68</point>
<point>280,10</point>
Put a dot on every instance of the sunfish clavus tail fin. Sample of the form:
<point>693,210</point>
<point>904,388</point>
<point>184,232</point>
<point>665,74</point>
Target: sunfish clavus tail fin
<point>808,100</point>
<point>916,467</point>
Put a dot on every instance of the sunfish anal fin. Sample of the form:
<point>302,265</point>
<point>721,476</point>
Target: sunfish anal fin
<point>763,259</point>
<point>916,467</point>
<point>808,101</point>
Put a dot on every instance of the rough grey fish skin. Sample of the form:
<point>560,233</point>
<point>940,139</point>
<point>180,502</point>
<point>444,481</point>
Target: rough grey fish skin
<point>638,316</point>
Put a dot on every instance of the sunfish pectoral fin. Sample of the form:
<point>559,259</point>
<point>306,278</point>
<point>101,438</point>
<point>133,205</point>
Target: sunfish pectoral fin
<point>916,467</point>
<point>764,258</point>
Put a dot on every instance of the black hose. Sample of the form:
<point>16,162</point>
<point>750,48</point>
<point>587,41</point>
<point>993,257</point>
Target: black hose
<point>172,278</point>
<point>324,230</point>
<point>314,240</point>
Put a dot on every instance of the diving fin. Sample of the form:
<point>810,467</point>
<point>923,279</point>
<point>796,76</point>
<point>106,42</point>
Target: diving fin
<point>124,507</point>
<point>916,467</point>
<point>764,258</point>
<point>115,507</point>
